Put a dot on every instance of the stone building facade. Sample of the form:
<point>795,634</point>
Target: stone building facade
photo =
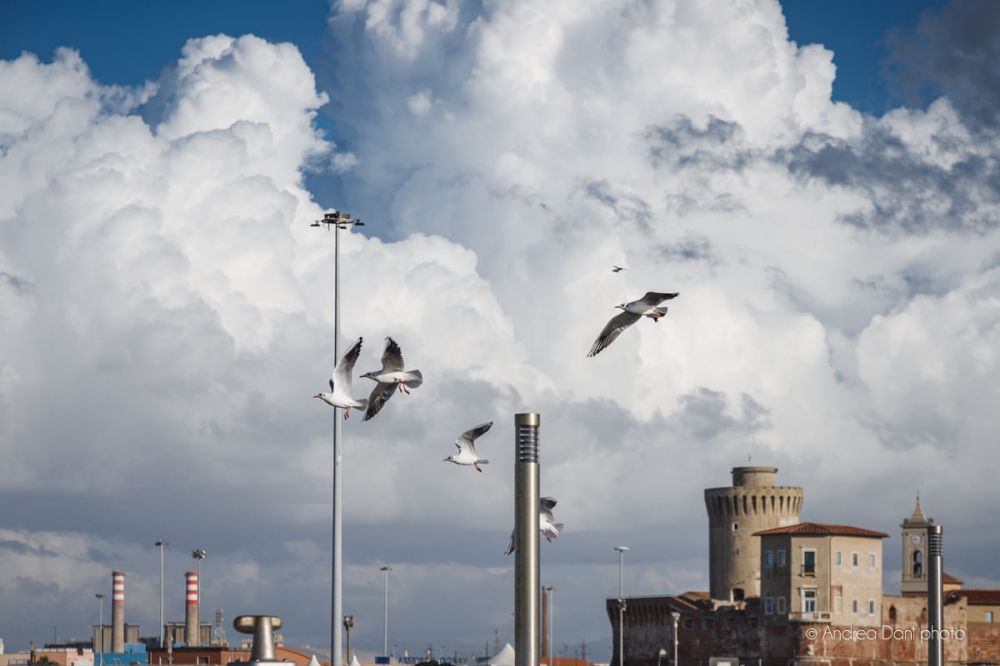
<point>829,577</point>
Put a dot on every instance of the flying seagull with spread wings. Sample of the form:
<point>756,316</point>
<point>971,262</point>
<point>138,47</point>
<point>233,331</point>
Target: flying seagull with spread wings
<point>631,313</point>
<point>549,529</point>
<point>340,384</point>
<point>466,444</point>
<point>617,269</point>
<point>391,377</point>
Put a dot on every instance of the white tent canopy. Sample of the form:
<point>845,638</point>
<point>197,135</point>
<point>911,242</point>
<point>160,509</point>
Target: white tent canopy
<point>505,657</point>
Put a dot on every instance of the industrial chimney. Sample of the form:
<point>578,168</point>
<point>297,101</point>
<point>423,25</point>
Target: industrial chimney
<point>191,621</point>
<point>117,612</point>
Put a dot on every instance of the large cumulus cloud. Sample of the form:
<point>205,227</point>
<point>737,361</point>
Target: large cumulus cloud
<point>167,309</point>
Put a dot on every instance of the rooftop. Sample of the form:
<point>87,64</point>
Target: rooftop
<point>823,529</point>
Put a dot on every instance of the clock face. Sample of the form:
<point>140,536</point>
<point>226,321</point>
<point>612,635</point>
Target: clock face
<point>915,539</point>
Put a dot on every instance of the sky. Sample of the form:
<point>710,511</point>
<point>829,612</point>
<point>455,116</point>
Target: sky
<point>821,187</point>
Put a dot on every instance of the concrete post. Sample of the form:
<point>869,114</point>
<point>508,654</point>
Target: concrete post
<point>526,569</point>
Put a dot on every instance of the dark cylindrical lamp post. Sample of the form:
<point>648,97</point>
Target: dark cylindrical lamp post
<point>526,570</point>
<point>935,596</point>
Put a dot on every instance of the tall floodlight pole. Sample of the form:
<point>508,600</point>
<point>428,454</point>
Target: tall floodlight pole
<point>339,220</point>
<point>526,571</point>
<point>677,620</point>
<point>621,604</point>
<point>100,625</point>
<point>160,543</point>
<point>385,613</point>
<point>935,595</point>
<point>199,554</point>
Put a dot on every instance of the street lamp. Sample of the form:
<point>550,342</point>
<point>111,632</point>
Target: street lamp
<point>348,625</point>
<point>199,554</point>
<point>621,604</point>
<point>660,655</point>
<point>385,617</point>
<point>677,618</point>
<point>339,220</point>
<point>100,625</point>
<point>160,543</point>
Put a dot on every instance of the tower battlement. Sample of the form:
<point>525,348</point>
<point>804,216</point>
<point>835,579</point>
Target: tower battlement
<point>753,503</point>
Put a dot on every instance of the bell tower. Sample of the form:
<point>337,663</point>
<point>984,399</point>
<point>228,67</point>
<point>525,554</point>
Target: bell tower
<point>914,582</point>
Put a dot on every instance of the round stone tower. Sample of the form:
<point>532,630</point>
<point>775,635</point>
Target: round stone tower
<point>753,503</point>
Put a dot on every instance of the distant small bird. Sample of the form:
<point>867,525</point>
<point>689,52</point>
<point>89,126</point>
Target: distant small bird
<point>392,376</point>
<point>466,444</point>
<point>549,529</point>
<point>618,269</point>
<point>340,384</point>
<point>632,312</point>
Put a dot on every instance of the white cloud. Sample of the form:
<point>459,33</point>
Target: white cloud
<point>167,307</point>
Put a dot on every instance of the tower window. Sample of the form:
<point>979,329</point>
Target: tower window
<point>918,563</point>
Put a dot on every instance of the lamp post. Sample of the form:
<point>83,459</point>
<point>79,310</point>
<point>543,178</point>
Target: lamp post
<point>160,543</point>
<point>660,655</point>
<point>385,613</point>
<point>348,625</point>
<point>100,625</point>
<point>677,618</point>
<point>339,220</point>
<point>621,604</point>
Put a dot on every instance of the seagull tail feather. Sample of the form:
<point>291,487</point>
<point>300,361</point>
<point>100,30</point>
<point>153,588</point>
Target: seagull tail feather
<point>483,461</point>
<point>418,379</point>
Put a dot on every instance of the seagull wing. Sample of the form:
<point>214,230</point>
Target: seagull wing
<point>379,396</point>
<point>392,357</point>
<point>342,373</point>
<point>474,433</point>
<point>547,503</point>
<point>510,544</point>
<point>612,330</point>
<point>654,298</point>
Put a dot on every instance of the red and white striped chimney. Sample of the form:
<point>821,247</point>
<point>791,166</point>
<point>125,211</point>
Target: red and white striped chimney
<point>191,620</point>
<point>118,611</point>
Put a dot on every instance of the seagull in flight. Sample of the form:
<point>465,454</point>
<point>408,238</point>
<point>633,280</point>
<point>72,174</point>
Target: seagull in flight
<point>549,529</point>
<point>392,376</point>
<point>617,269</point>
<point>631,313</point>
<point>340,384</point>
<point>466,444</point>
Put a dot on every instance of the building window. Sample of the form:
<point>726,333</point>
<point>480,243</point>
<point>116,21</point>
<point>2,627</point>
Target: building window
<point>854,606</point>
<point>988,616</point>
<point>808,601</point>
<point>781,605</point>
<point>781,558</point>
<point>892,614</point>
<point>918,563</point>
<point>769,606</point>
<point>871,560</point>
<point>854,559</point>
<point>769,558</point>
<point>738,594</point>
<point>809,561</point>
<point>871,606</point>
<point>736,526</point>
<point>836,558</point>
